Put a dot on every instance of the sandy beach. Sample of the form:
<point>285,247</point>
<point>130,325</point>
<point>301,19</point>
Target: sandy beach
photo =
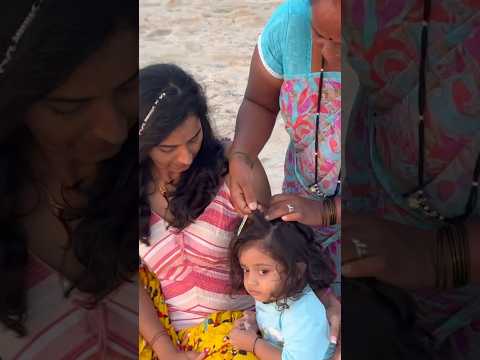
<point>214,41</point>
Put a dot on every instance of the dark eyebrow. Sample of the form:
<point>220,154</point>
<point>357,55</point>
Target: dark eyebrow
<point>87,98</point>
<point>174,146</point>
<point>266,265</point>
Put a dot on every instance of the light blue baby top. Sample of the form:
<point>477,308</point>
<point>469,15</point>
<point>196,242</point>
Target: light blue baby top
<point>301,331</point>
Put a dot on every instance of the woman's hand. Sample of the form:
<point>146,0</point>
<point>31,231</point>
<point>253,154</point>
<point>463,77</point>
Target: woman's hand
<point>241,183</point>
<point>243,339</point>
<point>295,208</point>
<point>397,254</point>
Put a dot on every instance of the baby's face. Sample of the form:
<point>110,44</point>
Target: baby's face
<point>263,277</point>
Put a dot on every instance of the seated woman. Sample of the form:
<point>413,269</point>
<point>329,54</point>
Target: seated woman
<point>186,222</point>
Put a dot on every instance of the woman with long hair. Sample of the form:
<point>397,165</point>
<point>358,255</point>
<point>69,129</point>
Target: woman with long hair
<point>186,221</point>
<point>68,105</point>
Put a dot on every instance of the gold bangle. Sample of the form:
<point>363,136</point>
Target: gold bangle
<point>329,215</point>
<point>451,258</point>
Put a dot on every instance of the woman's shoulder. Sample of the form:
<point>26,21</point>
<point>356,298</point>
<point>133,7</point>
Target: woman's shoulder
<point>291,8</point>
<point>284,43</point>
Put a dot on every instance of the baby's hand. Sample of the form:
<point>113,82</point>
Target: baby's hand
<point>247,322</point>
<point>242,339</point>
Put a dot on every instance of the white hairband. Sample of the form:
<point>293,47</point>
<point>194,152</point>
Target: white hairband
<point>18,34</point>
<point>152,109</point>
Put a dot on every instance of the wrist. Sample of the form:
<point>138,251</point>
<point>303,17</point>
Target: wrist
<point>243,156</point>
<point>257,337</point>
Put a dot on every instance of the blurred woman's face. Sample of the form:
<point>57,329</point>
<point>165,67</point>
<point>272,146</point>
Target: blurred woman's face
<point>86,119</point>
<point>175,154</point>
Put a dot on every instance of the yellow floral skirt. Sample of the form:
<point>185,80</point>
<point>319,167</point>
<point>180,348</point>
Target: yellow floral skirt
<point>211,334</point>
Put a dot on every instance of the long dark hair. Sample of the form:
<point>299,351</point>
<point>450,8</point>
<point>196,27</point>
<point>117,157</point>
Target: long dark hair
<point>61,37</point>
<point>200,183</point>
<point>290,244</point>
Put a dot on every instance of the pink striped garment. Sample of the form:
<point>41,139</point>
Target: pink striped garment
<point>192,265</point>
<point>60,328</point>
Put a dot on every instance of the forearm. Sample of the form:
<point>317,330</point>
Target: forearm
<point>151,328</point>
<point>253,127</point>
<point>266,351</point>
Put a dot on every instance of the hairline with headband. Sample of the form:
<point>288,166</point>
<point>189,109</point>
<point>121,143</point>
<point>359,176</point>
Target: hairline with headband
<point>162,95</point>
<point>12,47</point>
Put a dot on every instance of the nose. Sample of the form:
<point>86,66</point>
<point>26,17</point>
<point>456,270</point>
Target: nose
<point>250,281</point>
<point>185,156</point>
<point>110,123</point>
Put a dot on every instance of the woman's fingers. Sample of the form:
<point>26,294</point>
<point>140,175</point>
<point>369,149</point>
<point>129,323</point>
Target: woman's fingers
<point>296,216</point>
<point>279,209</point>
<point>243,197</point>
<point>282,197</point>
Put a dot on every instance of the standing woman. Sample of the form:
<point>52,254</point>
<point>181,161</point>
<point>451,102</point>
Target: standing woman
<point>295,70</point>
<point>68,144</point>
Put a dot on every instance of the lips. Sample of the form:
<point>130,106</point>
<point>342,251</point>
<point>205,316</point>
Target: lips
<point>253,293</point>
<point>181,170</point>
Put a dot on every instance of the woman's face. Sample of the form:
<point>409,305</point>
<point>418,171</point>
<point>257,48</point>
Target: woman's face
<point>175,154</point>
<point>87,118</point>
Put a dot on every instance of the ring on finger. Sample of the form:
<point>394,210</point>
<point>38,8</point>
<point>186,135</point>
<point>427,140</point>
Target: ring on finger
<point>290,208</point>
<point>360,247</point>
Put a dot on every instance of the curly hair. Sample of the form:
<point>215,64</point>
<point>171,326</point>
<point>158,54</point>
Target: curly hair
<point>63,35</point>
<point>288,243</point>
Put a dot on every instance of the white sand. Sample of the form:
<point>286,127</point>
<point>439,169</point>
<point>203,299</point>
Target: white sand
<point>214,41</point>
